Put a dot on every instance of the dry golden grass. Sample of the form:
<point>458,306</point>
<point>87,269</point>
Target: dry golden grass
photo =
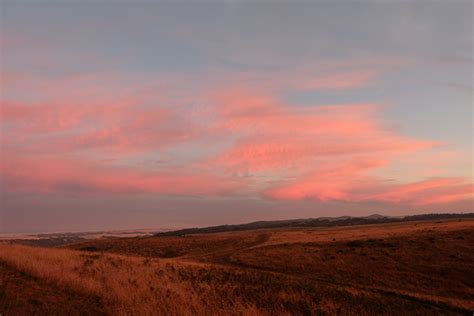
<point>126,285</point>
<point>410,268</point>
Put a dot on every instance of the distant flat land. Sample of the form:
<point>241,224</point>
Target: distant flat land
<point>416,267</point>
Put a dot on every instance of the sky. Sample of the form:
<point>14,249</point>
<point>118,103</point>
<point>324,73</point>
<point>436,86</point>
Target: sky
<point>148,114</point>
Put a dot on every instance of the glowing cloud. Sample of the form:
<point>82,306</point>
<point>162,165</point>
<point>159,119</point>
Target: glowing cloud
<point>62,142</point>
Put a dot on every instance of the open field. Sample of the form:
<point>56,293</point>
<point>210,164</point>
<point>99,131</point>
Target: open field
<point>401,268</point>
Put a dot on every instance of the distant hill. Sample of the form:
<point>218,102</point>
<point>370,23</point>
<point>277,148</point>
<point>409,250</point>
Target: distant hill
<point>315,222</point>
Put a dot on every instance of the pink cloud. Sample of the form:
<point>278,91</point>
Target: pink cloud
<point>52,143</point>
<point>332,180</point>
<point>246,111</point>
<point>352,187</point>
<point>339,81</point>
<point>331,150</point>
<point>320,75</point>
<point>76,115</point>
<point>80,177</point>
<point>275,135</point>
<point>438,190</point>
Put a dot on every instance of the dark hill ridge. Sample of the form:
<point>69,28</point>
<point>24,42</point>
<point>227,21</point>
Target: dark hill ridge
<point>316,222</point>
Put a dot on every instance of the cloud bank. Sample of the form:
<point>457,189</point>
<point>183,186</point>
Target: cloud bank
<point>98,134</point>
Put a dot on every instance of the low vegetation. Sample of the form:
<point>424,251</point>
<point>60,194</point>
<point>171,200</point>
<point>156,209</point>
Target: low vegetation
<point>317,222</point>
<point>417,268</point>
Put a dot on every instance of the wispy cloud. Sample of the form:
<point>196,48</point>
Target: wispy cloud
<point>86,135</point>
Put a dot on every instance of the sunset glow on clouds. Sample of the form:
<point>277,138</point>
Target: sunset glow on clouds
<point>81,145</point>
<point>226,132</point>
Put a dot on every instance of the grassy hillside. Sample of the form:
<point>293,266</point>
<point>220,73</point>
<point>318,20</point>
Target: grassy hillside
<point>316,222</point>
<point>401,268</point>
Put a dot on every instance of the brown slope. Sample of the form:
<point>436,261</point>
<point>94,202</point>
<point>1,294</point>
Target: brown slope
<point>21,294</point>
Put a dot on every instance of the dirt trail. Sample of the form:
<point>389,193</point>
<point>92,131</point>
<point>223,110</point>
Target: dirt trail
<point>229,257</point>
<point>224,255</point>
